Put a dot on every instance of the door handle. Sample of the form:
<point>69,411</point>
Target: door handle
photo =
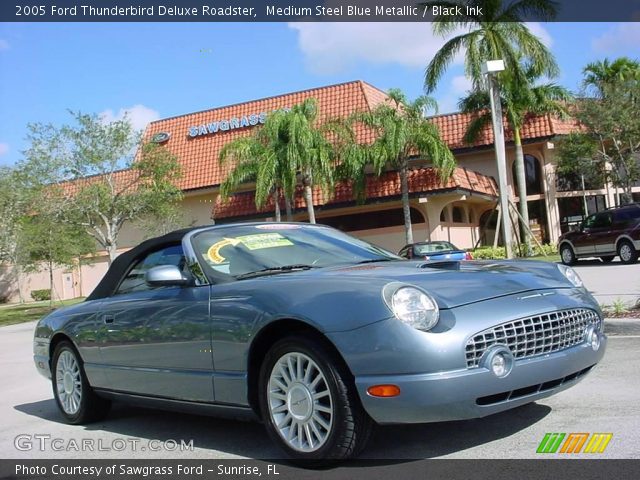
<point>108,318</point>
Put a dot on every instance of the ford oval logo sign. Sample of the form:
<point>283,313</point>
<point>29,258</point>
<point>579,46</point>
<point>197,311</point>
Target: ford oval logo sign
<point>160,137</point>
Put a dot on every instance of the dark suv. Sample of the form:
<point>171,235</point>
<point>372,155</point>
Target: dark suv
<point>615,231</point>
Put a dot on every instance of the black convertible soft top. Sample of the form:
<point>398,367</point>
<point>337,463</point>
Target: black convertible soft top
<point>121,264</point>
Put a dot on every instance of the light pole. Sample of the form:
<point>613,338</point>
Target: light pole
<point>490,68</point>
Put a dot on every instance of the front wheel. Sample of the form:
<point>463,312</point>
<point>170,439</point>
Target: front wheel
<point>566,255</point>
<point>627,252</point>
<point>308,402</point>
<point>74,396</point>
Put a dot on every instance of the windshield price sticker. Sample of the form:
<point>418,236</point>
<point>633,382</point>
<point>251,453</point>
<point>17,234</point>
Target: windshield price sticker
<point>260,241</point>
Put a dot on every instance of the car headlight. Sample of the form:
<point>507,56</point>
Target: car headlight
<point>412,306</point>
<point>571,275</point>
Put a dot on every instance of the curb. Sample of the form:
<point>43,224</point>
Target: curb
<point>622,326</point>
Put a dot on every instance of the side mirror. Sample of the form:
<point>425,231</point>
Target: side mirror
<point>165,275</point>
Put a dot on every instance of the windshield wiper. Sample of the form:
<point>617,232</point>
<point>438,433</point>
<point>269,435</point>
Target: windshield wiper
<point>274,270</point>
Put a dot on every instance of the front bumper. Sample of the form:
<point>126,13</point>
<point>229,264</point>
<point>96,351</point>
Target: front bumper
<point>476,392</point>
<point>431,370</point>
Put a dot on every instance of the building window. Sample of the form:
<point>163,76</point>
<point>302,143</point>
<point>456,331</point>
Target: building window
<point>443,215</point>
<point>371,220</point>
<point>572,182</point>
<point>533,175</point>
<point>571,209</point>
<point>457,215</point>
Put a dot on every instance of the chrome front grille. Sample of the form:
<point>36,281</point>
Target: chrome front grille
<point>536,335</point>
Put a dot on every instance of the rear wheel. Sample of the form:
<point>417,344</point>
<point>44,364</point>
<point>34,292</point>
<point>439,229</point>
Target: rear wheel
<point>308,402</point>
<point>76,400</point>
<point>627,252</point>
<point>608,259</point>
<point>566,254</point>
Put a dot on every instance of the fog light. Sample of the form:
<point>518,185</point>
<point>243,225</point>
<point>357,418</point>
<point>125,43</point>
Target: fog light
<point>499,365</point>
<point>595,341</point>
<point>499,360</point>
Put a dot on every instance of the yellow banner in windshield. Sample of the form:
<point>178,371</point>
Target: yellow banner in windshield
<point>264,240</point>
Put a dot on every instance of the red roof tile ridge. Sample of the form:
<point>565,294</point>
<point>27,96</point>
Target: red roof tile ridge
<point>366,92</point>
<point>256,100</point>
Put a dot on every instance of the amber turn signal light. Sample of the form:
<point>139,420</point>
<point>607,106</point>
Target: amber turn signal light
<point>384,391</point>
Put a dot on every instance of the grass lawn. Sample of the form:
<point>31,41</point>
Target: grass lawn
<point>548,258</point>
<point>26,312</point>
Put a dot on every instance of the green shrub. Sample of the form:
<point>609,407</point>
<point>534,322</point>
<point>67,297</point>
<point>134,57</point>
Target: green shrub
<point>489,253</point>
<point>545,250</point>
<point>499,253</point>
<point>40,295</point>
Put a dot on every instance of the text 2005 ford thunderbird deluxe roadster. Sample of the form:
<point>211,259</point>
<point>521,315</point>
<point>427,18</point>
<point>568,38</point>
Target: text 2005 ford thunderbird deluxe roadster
<point>318,334</point>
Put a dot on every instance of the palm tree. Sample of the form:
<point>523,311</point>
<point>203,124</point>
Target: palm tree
<point>402,132</point>
<point>497,33</point>
<point>518,100</point>
<point>289,145</point>
<point>254,161</point>
<point>603,72</point>
<point>304,146</point>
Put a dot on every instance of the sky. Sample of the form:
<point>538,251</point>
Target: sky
<point>158,70</point>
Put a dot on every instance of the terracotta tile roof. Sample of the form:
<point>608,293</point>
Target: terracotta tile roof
<point>199,155</point>
<point>122,179</point>
<point>454,125</point>
<point>422,180</point>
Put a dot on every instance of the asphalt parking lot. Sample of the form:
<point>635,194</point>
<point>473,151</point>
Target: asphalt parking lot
<point>610,282</point>
<point>608,400</point>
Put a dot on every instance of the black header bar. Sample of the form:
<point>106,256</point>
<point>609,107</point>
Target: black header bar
<point>294,10</point>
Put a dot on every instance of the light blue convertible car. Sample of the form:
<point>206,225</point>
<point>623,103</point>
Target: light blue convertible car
<point>316,333</point>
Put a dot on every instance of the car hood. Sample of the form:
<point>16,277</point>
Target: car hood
<point>453,283</point>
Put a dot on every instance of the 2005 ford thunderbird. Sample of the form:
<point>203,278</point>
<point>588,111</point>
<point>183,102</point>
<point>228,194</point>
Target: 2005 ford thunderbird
<point>318,334</point>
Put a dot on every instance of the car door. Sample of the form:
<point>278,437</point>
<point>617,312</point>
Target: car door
<point>157,340</point>
<point>583,241</point>
<point>603,235</point>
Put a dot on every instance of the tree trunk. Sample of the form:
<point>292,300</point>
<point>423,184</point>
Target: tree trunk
<point>521,182</point>
<point>19,283</point>
<point>80,276</point>
<point>112,251</point>
<point>406,210</point>
<point>308,196</point>
<point>276,203</point>
<point>50,283</point>
<point>287,206</point>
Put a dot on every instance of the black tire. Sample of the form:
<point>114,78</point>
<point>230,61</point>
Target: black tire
<point>350,428</point>
<point>627,252</point>
<point>567,255</point>
<point>608,259</point>
<point>91,406</point>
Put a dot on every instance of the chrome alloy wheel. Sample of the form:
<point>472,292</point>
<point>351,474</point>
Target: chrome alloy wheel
<point>567,256</point>
<point>68,382</point>
<point>626,252</point>
<point>300,402</point>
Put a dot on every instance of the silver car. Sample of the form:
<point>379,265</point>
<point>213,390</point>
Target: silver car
<point>318,334</point>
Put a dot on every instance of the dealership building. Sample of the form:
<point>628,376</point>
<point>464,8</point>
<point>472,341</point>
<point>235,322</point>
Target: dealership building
<point>460,210</point>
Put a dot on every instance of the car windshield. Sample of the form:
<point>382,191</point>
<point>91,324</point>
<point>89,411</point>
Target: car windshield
<point>434,247</point>
<point>243,250</point>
